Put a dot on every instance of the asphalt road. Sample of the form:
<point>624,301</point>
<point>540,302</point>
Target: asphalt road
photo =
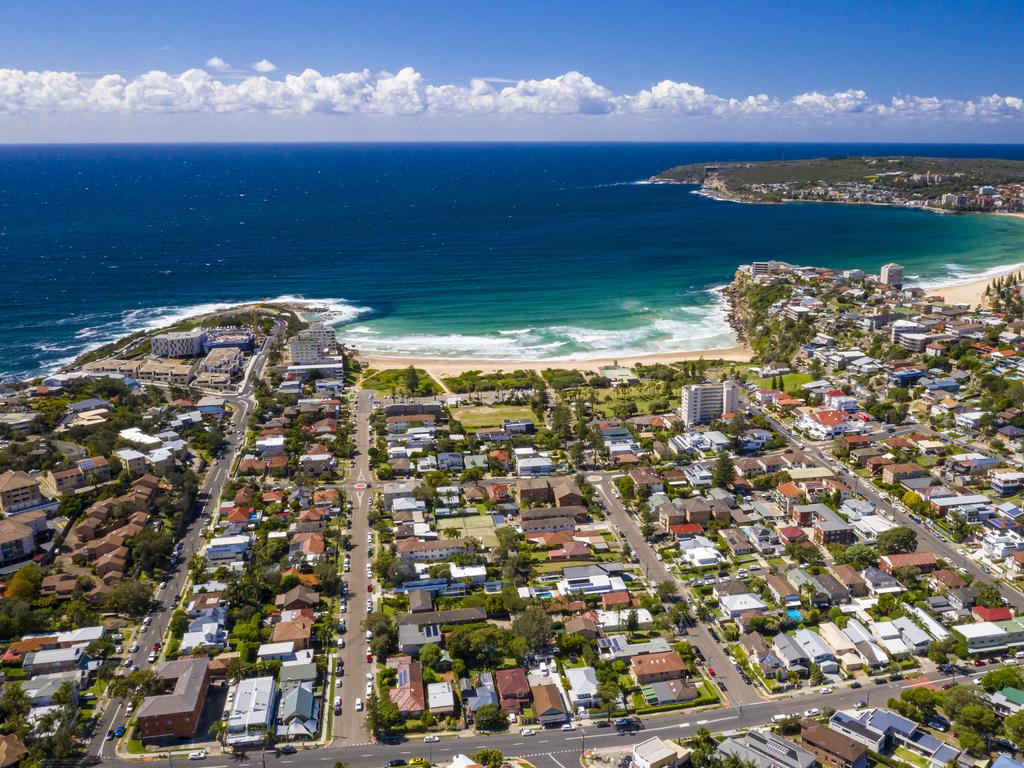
<point>213,484</point>
<point>554,748</point>
<point>737,692</point>
<point>349,726</point>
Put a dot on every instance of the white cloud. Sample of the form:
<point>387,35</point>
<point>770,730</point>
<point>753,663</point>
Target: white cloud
<point>406,92</point>
<point>264,66</point>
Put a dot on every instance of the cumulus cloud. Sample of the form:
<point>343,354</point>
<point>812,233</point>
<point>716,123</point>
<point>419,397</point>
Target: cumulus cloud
<point>407,92</point>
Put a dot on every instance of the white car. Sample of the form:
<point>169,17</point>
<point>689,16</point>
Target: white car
<point>369,690</point>
<point>152,657</point>
<point>431,739</point>
<point>118,650</point>
<point>343,607</point>
<point>369,677</point>
<point>568,727</point>
<point>134,648</point>
<point>826,689</point>
<point>359,705</point>
<point>163,584</point>
<point>812,712</point>
<point>130,708</point>
<point>199,754</point>
<point>528,732</point>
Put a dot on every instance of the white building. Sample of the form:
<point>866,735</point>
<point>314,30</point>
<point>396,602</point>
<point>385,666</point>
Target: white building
<point>704,402</point>
<point>582,686</point>
<point>252,711</point>
<point>313,344</point>
<point>891,276</point>
<point>178,343</point>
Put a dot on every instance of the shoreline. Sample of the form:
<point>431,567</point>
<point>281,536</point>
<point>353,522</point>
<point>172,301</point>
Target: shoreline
<point>448,366</point>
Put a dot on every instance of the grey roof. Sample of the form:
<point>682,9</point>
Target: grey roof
<point>766,750</point>
<point>454,616</point>
<point>188,676</point>
<point>297,673</point>
<point>296,701</point>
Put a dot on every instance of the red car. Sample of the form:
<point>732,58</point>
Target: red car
<point>979,663</point>
<point>369,587</point>
<point>711,671</point>
<point>156,646</point>
<point>369,657</point>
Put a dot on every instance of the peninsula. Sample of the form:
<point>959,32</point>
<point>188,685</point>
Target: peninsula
<point>987,185</point>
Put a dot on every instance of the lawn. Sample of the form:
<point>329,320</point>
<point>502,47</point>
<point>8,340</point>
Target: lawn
<point>791,382</point>
<point>395,380</point>
<point>489,416</point>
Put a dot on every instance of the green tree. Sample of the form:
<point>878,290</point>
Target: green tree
<point>632,621</point>
<point>489,758</point>
<point>534,626</point>
<point>668,590</point>
<point>897,540</point>
<point>430,655</point>
<point>724,472</point>
<point>490,718</point>
<point>1005,677</point>
<point>130,596</point>
<point>1014,728</point>
<point>24,584</point>
<point>609,696</point>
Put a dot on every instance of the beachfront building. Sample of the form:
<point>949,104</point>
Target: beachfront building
<point>178,343</point>
<point>705,402</point>
<point>891,276</point>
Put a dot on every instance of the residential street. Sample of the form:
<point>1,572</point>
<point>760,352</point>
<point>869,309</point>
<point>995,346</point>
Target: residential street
<point>349,726</point>
<point>554,748</point>
<point>737,692</point>
<point>926,537</point>
<point>213,485</point>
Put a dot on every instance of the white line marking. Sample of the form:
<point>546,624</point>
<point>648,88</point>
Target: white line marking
<point>555,760</point>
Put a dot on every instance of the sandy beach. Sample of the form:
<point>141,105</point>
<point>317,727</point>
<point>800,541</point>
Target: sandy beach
<point>971,292</point>
<point>453,367</point>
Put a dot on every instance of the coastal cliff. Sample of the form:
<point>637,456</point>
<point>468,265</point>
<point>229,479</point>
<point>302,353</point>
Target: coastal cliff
<point>771,337</point>
<point>949,184</point>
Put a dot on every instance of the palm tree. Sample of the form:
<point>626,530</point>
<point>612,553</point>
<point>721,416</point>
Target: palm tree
<point>452,533</point>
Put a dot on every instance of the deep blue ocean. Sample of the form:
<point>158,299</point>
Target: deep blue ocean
<point>464,250</point>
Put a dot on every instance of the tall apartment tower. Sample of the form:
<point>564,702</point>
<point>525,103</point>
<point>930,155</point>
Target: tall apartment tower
<point>705,402</point>
<point>891,276</point>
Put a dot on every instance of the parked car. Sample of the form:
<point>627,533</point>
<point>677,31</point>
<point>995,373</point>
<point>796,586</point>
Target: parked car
<point>198,754</point>
<point>359,705</point>
<point>528,732</point>
<point>431,739</point>
<point>287,749</point>
<point>119,731</point>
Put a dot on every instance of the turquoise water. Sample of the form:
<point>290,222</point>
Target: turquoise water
<point>492,251</point>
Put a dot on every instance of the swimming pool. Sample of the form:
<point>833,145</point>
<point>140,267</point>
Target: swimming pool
<point>795,615</point>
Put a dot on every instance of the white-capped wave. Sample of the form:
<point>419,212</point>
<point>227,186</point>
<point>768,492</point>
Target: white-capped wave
<point>103,329</point>
<point>684,329</point>
<point>958,274</point>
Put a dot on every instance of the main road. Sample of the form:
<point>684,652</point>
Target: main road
<point>213,485</point>
<point>553,748</point>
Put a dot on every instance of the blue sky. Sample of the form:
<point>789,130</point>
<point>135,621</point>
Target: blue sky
<point>823,69</point>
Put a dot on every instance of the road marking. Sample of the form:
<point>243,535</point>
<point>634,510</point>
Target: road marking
<point>556,760</point>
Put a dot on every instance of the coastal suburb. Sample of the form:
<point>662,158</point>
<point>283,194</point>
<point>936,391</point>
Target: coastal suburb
<point>238,540</point>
